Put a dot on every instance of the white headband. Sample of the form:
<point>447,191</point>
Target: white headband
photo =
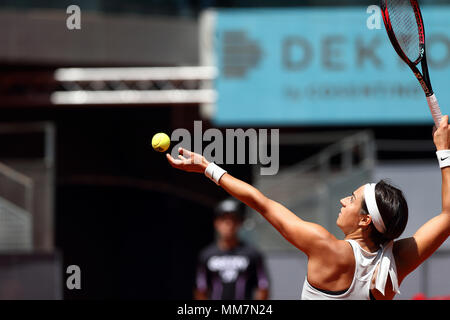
<point>369,196</point>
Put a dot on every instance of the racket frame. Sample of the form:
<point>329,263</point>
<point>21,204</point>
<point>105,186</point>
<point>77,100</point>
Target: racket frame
<point>424,77</point>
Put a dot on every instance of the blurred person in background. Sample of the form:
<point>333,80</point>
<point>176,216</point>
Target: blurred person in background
<point>229,269</point>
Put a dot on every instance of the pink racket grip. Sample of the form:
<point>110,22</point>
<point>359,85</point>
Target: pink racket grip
<point>435,109</point>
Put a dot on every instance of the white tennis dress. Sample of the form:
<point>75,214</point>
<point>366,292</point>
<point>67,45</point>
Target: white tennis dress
<point>365,265</point>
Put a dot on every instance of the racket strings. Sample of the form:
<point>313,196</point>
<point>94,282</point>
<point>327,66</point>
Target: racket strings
<point>405,27</point>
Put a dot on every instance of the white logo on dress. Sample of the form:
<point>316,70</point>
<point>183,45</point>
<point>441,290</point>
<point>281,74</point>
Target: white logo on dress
<point>228,266</point>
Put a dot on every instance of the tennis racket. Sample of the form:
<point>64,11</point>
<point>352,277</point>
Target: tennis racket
<point>404,26</point>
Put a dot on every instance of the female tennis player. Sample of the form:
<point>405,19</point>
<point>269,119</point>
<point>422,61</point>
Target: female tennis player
<point>368,263</point>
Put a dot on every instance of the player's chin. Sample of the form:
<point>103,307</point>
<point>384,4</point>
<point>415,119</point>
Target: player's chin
<point>338,220</point>
<point>340,226</point>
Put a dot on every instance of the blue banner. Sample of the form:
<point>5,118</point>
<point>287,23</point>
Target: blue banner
<point>322,66</point>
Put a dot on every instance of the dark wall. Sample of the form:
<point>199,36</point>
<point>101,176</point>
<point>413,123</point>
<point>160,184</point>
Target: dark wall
<point>42,38</point>
<point>113,218</point>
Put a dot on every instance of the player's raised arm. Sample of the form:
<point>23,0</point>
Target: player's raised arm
<point>441,140</point>
<point>304,235</point>
<point>411,252</point>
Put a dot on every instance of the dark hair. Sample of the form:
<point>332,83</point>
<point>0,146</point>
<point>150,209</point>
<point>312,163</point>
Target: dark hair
<point>393,209</point>
<point>229,206</point>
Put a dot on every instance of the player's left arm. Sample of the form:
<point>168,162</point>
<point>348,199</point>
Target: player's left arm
<point>411,252</point>
<point>308,237</point>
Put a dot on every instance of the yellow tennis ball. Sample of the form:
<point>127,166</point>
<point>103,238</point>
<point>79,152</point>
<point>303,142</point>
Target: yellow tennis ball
<point>160,142</point>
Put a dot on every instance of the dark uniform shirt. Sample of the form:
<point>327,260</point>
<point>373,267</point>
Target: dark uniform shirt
<point>231,275</point>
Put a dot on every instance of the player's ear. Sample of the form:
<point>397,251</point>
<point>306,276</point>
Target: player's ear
<point>365,220</point>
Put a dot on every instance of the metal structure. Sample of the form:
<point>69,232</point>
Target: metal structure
<point>27,190</point>
<point>16,210</point>
<point>153,85</point>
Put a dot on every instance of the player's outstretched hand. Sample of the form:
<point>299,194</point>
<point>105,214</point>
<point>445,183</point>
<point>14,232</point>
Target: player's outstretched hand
<point>188,161</point>
<point>441,137</point>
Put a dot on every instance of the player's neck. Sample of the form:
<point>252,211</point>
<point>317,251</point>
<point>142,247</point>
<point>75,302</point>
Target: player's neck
<point>227,244</point>
<point>362,237</point>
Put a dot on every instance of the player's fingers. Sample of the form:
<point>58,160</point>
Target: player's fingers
<point>173,162</point>
<point>170,159</point>
<point>444,121</point>
<point>184,152</point>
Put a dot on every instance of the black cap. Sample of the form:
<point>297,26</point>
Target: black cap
<point>229,206</point>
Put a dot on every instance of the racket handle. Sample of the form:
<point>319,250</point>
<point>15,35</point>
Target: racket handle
<point>435,109</point>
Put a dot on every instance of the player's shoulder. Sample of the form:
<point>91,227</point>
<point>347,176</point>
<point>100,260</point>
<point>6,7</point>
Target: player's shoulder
<point>340,252</point>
